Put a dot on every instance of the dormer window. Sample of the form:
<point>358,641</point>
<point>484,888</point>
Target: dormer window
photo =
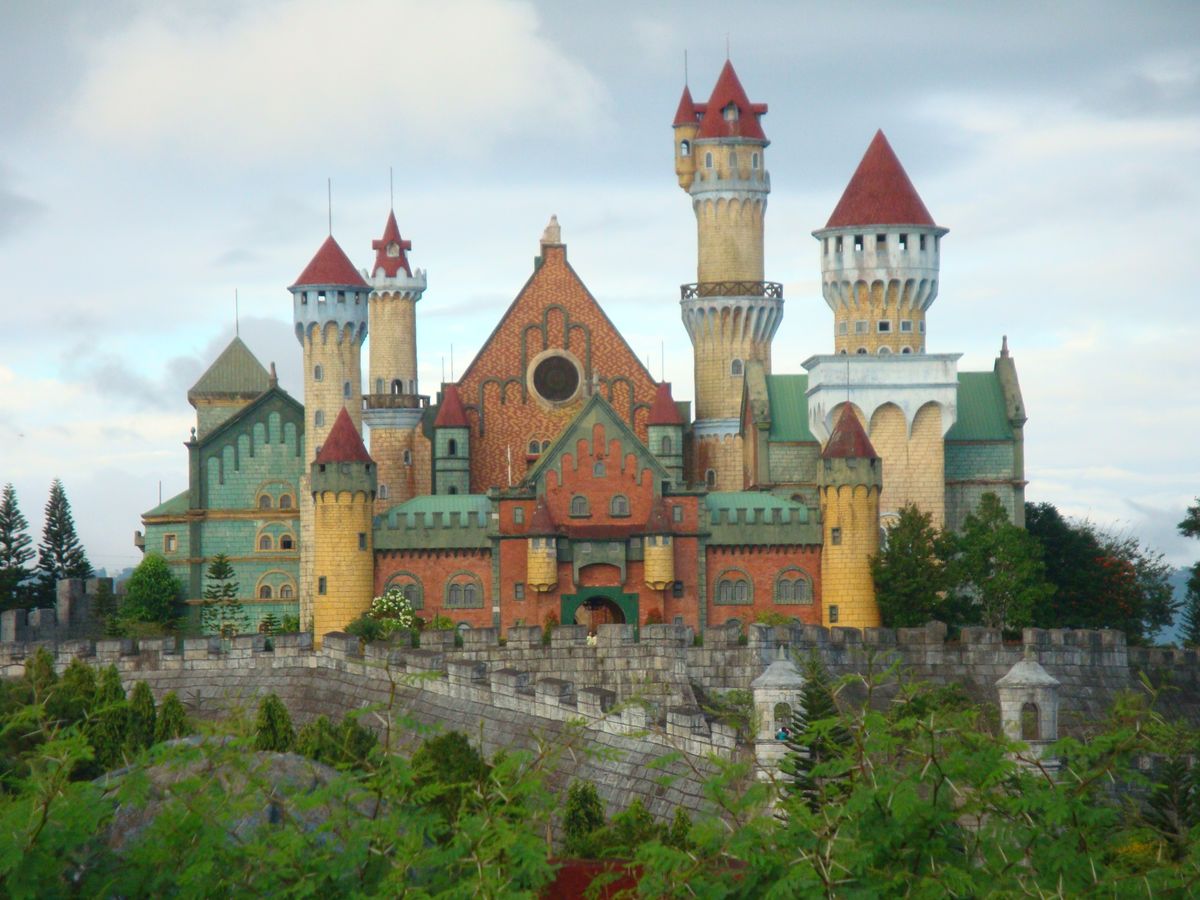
<point>685,148</point>
<point>393,249</point>
<point>730,113</point>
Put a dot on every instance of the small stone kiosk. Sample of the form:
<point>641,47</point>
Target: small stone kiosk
<point>1029,705</point>
<point>777,696</point>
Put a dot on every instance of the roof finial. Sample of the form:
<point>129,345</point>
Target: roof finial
<point>1004,347</point>
<point>329,203</point>
<point>274,375</point>
<point>552,234</point>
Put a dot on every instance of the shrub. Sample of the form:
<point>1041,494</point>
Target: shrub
<point>172,719</point>
<point>440,623</point>
<point>366,628</point>
<point>273,727</point>
<point>139,733</point>
<point>449,766</point>
<point>268,624</point>
<point>75,695</point>
<point>151,592</point>
<point>772,618</point>
<point>582,819</point>
<point>393,611</point>
<point>107,728</point>
<point>347,745</point>
<point>289,624</point>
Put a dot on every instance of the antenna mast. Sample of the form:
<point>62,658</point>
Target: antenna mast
<point>329,202</point>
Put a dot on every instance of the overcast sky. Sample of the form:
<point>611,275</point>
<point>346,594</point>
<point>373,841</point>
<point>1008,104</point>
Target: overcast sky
<point>156,156</point>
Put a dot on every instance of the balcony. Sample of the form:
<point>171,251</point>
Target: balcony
<point>395,401</point>
<point>771,289</point>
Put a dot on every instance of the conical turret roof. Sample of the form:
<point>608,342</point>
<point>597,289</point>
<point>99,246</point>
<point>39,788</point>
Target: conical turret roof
<point>848,440</point>
<point>235,371</point>
<point>659,522</point>
<point>330,266</point>
<point>450,412</point>
<point>391,265</point>
<point>686,113</point>
<point>344,443</point>
<point>880,192</point>
<point>664,411</point>
<point>542,522</point>
<point>727,91</point>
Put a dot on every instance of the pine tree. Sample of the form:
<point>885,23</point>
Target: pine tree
<point>273,727</point>
<point>222,613</point>
<point>60,555</point>
<point>16,551</point>
<point>107,728</point>
<point>1190,527</point>
<point>140,733</point>
<point>909,573</point>
<point>817,736</point>
<point>268,624</point>
<point>172,719</point>
<point>582,818</point>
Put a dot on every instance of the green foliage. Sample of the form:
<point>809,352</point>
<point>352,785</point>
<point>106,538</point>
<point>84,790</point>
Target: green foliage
<point>1190,527</point>
<point>393,611</point>
<point>108,726</point>
<point>172,719</point>
<point>582,820</point>
<point>817,738</point>
<point>16,551</point>
<point>450,770</point>
<point>772,617</point>
<point>630,829</point>
<point>60,555</point>
<point>440,623</point>
<point>348,745</point>
<point>273,726</point>
<point>268,624</point>
<point>734,708</point>
<point>75,694</point>
<point>366,628</point>
<point>151,592</point>
<point>222,612</point>
<point>142,719</point>
<point>909,572</point>
<point>996,571</point>
<point>679,834</point>
<point>289,624</point>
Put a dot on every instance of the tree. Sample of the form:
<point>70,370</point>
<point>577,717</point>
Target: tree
<point>343,746</point>
<point>222,612</point>
<point>140,732</point>
<point>273,727</point>
<point>151,592</point>
<point>16,551</point>
<point>60,555</point>
<point>449,766</point>
<point>817,735</point>
<point>909,572</point>
<point>996,570</point>
<point>108,725</point>
<point>583,817</point>
<point>172,719</point>
<point>1190,527</point>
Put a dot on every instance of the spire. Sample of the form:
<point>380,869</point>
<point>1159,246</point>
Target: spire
<point>742,120</point>
<point>1004,347</point>
<point>880,192</point>
<point>330,266</point>
<point>848,440</point>
<point>391,250</point>
<point>450,411</point>
<point>344,443</point>
<point>664,411</point>
<point>686,114</point>
<point>659,522</point>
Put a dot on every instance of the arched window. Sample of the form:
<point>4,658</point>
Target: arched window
<point>685,148</point>
<point>736,367</point>
<point>792,586</point>
<point>319,418</point>
<point>861,351</point>
<point>708,160</point>
<point>452,447</point>
<point>665,446</point>
<point>264,502</point>
<point>318,373</point>
<point>545,446</point>
<point>783,716</point>
<point>383,492</point>
<point>710,478</point>
<point>725,592</point>
<point>264,592</point>
<point>379,385</point>
<point>534,448</point>
<point>286,542</point>
<point>397,387</point>
<point>285,592</point>
<point>468,593</point>
<point>579,505</point>
<point>456,595</point>
<point>285,501</point>
<point>598,470</point>
<point>1031,729</point>
<point>733,588</point>
<point>264,542</point>
<point>885,351</point>
<point>905,351</point>
<point>741,592</point>
<point>619,505</point>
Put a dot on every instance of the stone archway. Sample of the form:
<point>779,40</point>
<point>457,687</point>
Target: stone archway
<point>597,611</point>
<point>599,606</point>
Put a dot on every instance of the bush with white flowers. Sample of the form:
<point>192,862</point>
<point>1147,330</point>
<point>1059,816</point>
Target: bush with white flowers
<point>393,611</point>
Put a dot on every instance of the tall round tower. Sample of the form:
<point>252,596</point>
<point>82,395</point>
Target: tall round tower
<point>342,483</point>
<point>730,313</point>
<point>850,480</point>
<point>879,259</point>
<point>329,304</point>
<point>393,402</point>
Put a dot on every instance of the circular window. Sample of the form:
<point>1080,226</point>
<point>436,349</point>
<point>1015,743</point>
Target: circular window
<point>556,379</point>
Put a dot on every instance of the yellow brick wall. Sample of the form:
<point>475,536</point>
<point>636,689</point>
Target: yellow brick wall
<point>914,465</point>
<point>724,456</point>
<point>403,481</point>
<point>659,563</point>
<point>846,568</point>
<point>340,361</point>
<point>718,392</point>
<point>393,342</point>
<point>541,566</point>
<point>874,303</point>
<point>349,571</point>
<point>730,239</point>
<point>305,582</point>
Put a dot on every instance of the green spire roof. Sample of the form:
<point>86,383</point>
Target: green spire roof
<point>235,372</point>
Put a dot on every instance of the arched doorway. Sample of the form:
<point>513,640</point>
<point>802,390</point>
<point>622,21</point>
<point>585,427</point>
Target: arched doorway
<point>596,611</point>
<point>595,606</point>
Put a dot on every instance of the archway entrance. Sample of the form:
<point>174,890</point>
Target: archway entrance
<point>597,611</point>
<point>595,606</point>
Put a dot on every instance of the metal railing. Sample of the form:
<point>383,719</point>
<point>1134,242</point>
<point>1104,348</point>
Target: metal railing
<point>771,289</point>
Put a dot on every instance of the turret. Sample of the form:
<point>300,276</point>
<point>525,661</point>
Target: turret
<point>342,482</point>
<point>658,550</point>
<point>541,552</point>
<point>393,403</point>
<point>879,258</point>
<point>451,445</point>
<point>664,427</point>
<point>731,314</point>
<point>233,380</point>
<point>329,302</point>
<point>850,479</point>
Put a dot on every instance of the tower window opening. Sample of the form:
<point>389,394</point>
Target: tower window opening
<point>1030,726</point>
<point>710,478</point>
<point>906,326</point>
<point>264,502</point>
<point>858,242</point>
<point>835,536</point>
<point>860,326</point>
<point>170,543</point>
<point>665,446</point>
<point>452,447</point>
<point>286,543</point>
<point>730,112</point>
<point>342,296</point>
<point>826,243</point>
<point>937,243</point>
<point>319,418</point>
<point>318,373</point>
<point>880,243</point>
<point>839,244</point>
<point>921,326</point>
<point>904,242</point>
<point>383,492</point>
<point>598,470</point>
<point>452,490</point>
<point>362,540</point>
<point>884,351</point>
<point>861,351</point>
<point>264,592</point>
<point>754,161</point>
<point>320,296</point>
<point>346,389</point>
<point>884,326</point>
<point>535,448</point>
<point>843,327</point>
<point>322,585</point>
<point>833,614</point>
<point>407,457</point>
<point>685,148</point>
<point>397,387</point>
<point>904,351</point>
<point>921,245</point>
<point>518,515</point>
<point>733,159</point>
<point>379,385</point>
<point>736,367</point>
<point>708,160</point>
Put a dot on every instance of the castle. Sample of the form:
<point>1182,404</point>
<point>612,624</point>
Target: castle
<point>556,479</point>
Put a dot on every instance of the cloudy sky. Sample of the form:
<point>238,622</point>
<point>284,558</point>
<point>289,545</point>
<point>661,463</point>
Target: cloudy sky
<point>157,155</point>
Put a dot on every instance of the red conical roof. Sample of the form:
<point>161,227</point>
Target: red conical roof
<point>848,440</point>
<point>330,266</point>
<point>659,522</point>
<point>664,411</point>
<point>686,113</point>
<point>879,192</point>
<point>450,412</point>
<point>745,124</point>
<point>344,443</point>
<point>391,264</point>
<point>542,522</point>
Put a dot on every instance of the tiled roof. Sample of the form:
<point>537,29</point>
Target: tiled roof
<point>330,266</point>
<point>235,371</point>
<point>879,192</point>
<point>391,264</point>
<point>664,411</point>
<point>687,113</point>
<point>450,411</point>
<point>745,124</point>
<point>344,443</point>
<point>177,505</point>
<point>982,414</point>
<point>542,522</point>
<point>848,440</point>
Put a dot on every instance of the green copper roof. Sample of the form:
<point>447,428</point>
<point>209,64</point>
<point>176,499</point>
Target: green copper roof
<point>787,395</point>
<point>981,411</point>
<point>176,506</point>
<point>716,500</point>
<point>235,371</point>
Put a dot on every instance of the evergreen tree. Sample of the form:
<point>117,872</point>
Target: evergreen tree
<point>1190,527</point>
<point>16,550</point>
<point>679,834</point>
<point>172,719</point>
<point>60,555</point>
<point>273,727</point>
<point>76,693</point>
<point>909,573</point>
<point>268,624</point>
<point>151,592</point>
<point>583,817</point>
<point>222,613</point>
<point>107,727</point>
<point>817,735</point>
<point>996,570</point>
<point>140,733</point>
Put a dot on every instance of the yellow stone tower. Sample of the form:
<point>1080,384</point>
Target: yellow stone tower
<point>730,313</point>
<point>343,481</point>
<point>329,304</point>
<point>393,403</point>
<point>850,478</point>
